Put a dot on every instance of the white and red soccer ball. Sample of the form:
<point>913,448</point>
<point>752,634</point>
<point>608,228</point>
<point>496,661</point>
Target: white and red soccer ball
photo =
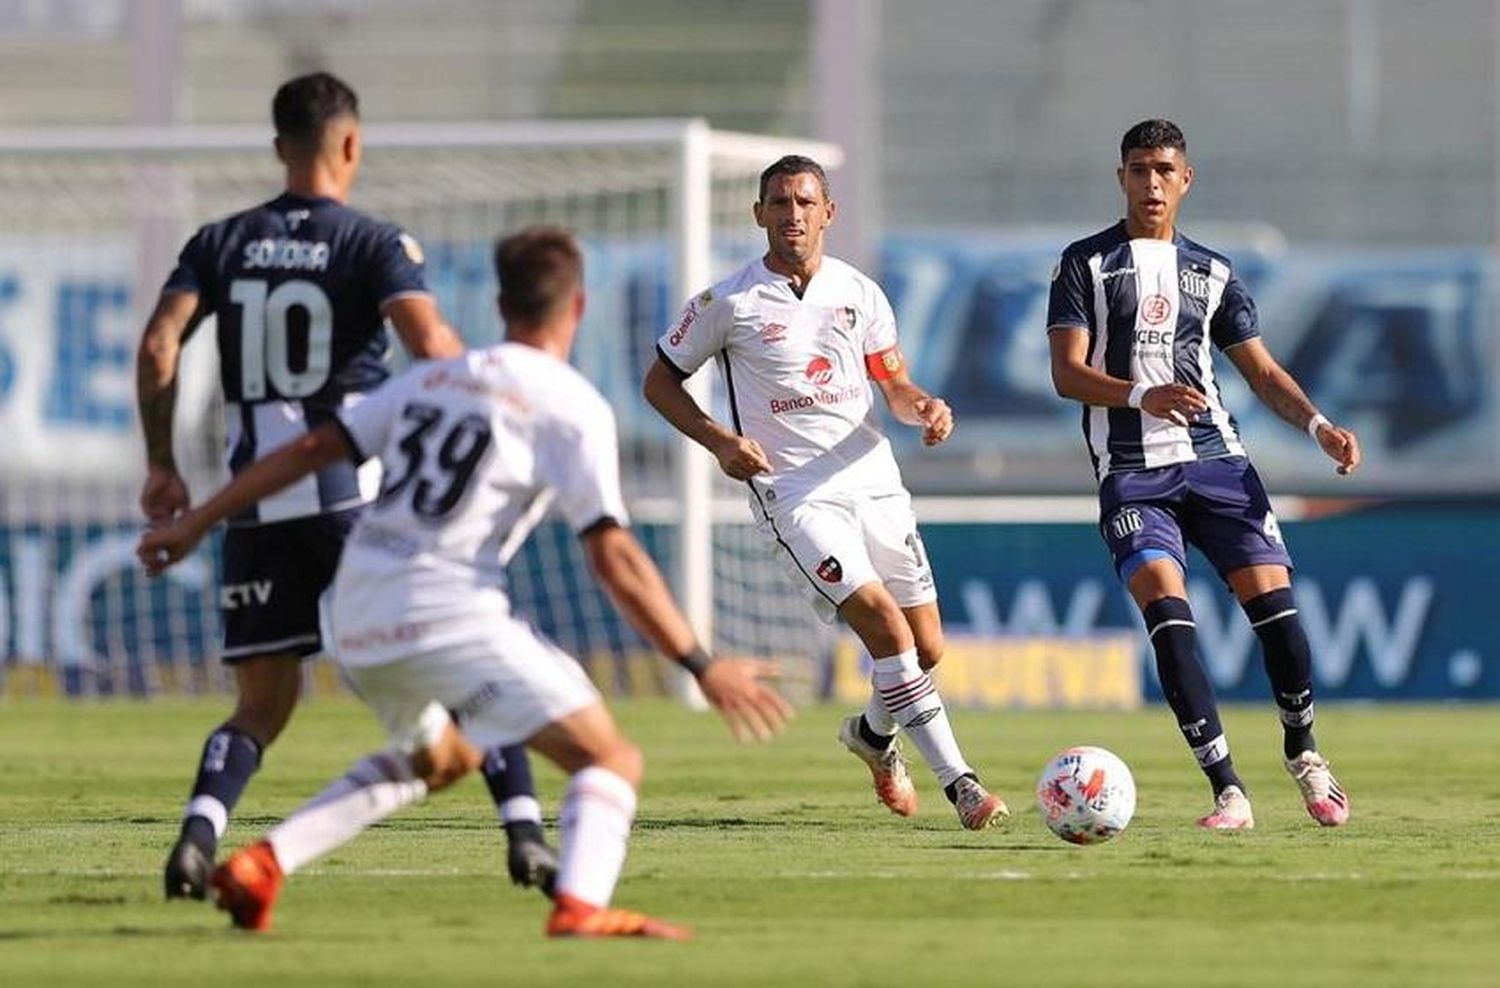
<point>1086,795</point>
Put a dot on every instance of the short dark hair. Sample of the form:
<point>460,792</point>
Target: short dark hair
<point>303,107</point>
<point>1152,134</point>
<point>538,268</point>
<point>794,164</point>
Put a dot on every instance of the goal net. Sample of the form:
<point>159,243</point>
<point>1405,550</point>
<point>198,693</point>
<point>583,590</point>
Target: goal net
<point>89,228</point>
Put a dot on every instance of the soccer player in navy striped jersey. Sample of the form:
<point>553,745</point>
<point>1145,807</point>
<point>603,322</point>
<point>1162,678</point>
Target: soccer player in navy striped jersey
<point>1132,314</point>
<point>300,288</point>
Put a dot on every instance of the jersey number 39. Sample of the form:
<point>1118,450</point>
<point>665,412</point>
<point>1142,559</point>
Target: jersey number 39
<point>265,350</point>
<point>440,459</point>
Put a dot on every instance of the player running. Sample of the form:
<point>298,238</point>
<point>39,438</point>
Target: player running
<point>300,288</point>
<point>1132,313</point>
<point>799,336</point>
<point>475,449</point>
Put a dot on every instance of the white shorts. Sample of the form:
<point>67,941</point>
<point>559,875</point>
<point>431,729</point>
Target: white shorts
<point>502,686</point>
<point>833,546</point>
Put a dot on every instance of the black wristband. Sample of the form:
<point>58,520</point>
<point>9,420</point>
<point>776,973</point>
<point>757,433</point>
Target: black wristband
<point>697,661</point>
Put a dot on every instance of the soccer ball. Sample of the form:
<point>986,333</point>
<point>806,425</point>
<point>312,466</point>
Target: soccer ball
<point>1086,795</point>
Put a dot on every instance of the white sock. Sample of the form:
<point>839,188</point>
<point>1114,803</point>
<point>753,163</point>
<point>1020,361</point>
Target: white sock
<point>911,700</point>
<point>369,792</point>
<point>879,719</point>
<point>594,823</point>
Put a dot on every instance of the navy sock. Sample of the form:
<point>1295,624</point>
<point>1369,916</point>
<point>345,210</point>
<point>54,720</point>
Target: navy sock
<point>1174,638</point>
<point>507,773</point>
<point>871,737</point>
<point>230,757</point>
<point>1288,665</point>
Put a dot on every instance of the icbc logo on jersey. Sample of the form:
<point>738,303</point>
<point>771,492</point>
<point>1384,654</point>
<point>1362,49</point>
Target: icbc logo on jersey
<point>1155,309</point>
<point>819,371</point>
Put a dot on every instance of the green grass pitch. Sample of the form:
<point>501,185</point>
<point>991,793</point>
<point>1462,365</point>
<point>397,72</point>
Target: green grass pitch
<point>781,858</point>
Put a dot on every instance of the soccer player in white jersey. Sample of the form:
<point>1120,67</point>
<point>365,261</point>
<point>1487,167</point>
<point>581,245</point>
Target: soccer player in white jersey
<point>1132,315</point>
<point>799,337</point>
<point>475,449</point>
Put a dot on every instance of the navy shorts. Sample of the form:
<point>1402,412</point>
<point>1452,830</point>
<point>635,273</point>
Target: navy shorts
<point>273,577</point>
<point>1218,505</point>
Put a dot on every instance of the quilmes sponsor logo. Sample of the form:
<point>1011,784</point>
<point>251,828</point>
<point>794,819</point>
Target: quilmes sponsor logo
<point>1194,283</point>
<point>689,317</point>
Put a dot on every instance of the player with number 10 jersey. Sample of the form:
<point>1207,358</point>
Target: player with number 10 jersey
<point>299,287</point>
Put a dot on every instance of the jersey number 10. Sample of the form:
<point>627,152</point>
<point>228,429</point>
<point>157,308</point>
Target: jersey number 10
<point>264,347</point>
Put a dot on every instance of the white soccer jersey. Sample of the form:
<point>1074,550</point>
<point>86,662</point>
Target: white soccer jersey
<point>796,374</point>
<point>474,449</point>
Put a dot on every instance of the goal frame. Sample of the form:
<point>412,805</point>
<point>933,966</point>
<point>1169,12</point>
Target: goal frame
<point>700,153</point>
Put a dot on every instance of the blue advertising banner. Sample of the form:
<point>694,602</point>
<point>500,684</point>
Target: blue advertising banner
<point>1396,598</point>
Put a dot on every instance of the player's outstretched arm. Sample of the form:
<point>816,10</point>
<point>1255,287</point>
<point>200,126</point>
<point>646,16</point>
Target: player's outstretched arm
<point>1073,378</point>
<point>735,687</point>
<point>913,406</point>
<point>739,456</point>
<point>177,314</point>
<point>1283,395</point>
<point>423,331</point>
<point>161,547</point>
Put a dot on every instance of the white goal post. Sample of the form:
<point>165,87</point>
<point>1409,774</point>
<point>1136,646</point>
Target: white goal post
<point>90,223</point>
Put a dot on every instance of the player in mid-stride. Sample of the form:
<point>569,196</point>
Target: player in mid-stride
<point>799,337</point>
<point>300,287</point>
<point>1133,312</point>
<point>475,449</point>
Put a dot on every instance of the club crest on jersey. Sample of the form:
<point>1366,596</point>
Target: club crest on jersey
<point>819,371</point>
<point>1125,522</point>
<point>830,570</point>
<point>1155,309</point>
<point>772,332</point>
<point>1194,283</point>
<point>412,249</point>
<point>844,317</point>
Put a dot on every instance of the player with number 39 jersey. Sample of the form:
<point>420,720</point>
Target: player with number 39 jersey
<point>486,443</point>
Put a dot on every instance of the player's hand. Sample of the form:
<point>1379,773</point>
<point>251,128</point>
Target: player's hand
<point>737,690</point>
<point>1174,402</point>
<point>167,543</point>
<point>164,496</point>
<point>741,457</point>
<point>936,418</point>
<point>1342,446</point>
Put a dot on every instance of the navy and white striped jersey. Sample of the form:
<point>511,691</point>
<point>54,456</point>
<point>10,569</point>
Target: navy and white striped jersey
<point>1151,308</point>
<point>297,286</point>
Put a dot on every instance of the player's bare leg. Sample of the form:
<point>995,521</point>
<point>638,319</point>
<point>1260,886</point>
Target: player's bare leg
<point>267,686</point>
<point>1265,593</point>
<point>903,696</point>
<point>595,821</point>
